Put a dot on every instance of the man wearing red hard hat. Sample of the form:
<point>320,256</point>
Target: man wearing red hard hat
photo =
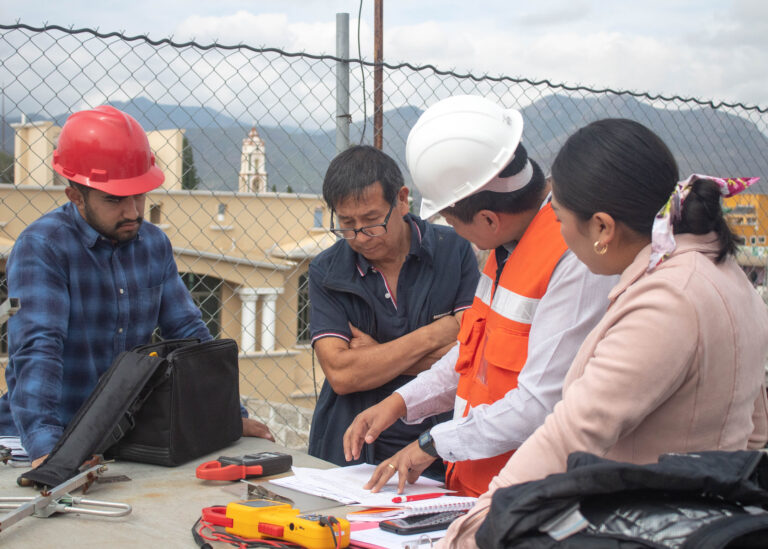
<point>93,280</point>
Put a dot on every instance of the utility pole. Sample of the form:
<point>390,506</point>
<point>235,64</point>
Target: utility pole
<point>378,57</point>
<point>3,92</point>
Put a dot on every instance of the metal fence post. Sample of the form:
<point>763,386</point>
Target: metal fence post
<point>342,82</point>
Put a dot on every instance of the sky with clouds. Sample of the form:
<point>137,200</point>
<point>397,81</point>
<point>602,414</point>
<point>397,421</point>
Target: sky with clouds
<point>708,49</point>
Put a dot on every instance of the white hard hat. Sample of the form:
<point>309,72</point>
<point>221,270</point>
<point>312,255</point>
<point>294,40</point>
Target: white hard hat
<point>458,146</point>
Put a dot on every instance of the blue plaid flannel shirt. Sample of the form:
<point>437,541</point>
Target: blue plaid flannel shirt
<point>83,301</point>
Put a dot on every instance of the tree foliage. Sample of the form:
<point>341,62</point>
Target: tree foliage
<point>189,177</point>
<point>6,167</point>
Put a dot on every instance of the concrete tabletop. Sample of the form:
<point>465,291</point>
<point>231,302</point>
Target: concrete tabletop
<point>166,503</point>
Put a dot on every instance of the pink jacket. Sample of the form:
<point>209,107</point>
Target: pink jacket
<point>675,365</point>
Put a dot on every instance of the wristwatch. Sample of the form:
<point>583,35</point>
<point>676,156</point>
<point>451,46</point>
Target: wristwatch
<point>427,443</point>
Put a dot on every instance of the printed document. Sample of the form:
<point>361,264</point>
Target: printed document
<point>345,484</point>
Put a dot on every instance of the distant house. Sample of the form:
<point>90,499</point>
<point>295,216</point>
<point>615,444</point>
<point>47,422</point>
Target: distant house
<point>244,255</point>
<point>747,216</point>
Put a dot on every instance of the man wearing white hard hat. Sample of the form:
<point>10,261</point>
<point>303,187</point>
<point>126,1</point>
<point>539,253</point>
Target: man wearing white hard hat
<point>534,304</point>
<point>92,280</point>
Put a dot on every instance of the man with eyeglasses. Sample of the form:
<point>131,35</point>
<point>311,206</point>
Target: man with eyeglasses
<point>386,301</point>
<point>535,302</point>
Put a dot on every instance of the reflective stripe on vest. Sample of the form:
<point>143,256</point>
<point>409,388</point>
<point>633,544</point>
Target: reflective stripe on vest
<point>484,289</point>
<point>514,306</point>
<point>494,339</point>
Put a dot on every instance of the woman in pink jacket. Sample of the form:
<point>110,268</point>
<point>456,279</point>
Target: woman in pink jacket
<point>677,362</point>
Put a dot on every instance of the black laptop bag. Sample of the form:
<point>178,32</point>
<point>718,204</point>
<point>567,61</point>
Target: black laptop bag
<point>164,403</point>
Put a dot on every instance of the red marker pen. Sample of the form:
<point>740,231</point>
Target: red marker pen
<point>416,497</point>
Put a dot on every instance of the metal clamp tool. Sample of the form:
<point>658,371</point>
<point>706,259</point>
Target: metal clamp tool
<point>58,500</point>
<point>251,465</point>
<point>68,504</point>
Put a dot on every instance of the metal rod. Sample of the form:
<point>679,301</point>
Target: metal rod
<point>70,504</point>
<point>98,508</point>
<point>378,58</point>
<point>39,503</point>
<point>343,118</point>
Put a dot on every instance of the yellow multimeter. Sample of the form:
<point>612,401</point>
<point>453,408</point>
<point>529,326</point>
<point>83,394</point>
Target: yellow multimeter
<point>262,518</point>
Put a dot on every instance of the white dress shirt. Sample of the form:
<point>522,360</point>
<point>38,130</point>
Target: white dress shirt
<point>573,304</point>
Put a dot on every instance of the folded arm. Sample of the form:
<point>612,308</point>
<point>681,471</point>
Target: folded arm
<point>358,366</point>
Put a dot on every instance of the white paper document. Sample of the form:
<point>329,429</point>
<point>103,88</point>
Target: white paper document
<point>345,484</point>
<point>18,453</point>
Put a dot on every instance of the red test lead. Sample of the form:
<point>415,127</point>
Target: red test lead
<point>416,497</point>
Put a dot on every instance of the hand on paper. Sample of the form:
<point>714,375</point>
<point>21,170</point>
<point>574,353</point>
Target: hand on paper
<point>408,463</point>
<point>368,424</point>
<point>253,428</point>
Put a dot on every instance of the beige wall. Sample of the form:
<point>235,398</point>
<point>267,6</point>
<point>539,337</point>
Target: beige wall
<point>252,222</point>
<point>256,222</point>
<point>34,143</point>
<point>237,255</point>
<point>166,145</point>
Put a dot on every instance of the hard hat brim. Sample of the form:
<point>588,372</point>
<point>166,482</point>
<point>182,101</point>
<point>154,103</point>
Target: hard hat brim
<point>428,209</point>
<point>144,183</point>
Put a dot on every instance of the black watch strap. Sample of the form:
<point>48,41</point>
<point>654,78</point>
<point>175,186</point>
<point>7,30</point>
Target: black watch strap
<point>427,443</point>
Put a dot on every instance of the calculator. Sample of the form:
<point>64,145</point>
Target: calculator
<point>421,523</point>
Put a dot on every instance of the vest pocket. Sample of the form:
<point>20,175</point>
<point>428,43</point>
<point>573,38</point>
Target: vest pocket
<point>471,331</point>
<point>507,349</point>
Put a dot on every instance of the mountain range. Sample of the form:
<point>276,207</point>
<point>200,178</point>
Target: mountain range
<point>704,140</point>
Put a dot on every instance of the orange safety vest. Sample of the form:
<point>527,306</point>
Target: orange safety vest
<point>494,335</point>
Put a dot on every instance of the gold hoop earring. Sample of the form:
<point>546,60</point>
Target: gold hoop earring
<point>600,249</point>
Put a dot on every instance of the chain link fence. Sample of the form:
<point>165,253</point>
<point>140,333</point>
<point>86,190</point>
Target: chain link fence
<point>244,136</point>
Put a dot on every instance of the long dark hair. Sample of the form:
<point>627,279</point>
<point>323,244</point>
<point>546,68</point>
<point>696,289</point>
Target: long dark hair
<point>620,167</point>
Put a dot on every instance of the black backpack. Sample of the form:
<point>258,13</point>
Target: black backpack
<point>704,500</point>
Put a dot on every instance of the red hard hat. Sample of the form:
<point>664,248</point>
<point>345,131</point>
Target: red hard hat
<point>107,149</point>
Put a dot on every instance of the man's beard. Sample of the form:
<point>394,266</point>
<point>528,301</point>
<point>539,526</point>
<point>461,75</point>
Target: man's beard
<point>116,236</point>
<point>113,233</point>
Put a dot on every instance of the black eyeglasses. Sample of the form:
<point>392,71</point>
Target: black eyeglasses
<point>380,229</point>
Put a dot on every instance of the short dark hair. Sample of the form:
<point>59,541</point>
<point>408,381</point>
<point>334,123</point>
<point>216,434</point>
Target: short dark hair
<point>355,169</point>
<point>84,189</point>
<point>527,198</point>
<point>622,168</point>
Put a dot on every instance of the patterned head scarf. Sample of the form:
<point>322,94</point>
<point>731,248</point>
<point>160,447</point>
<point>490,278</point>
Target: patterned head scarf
<point>662,237</point>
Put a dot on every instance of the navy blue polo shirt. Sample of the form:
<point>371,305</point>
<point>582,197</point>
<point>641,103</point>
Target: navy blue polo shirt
<point>438,277</point>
